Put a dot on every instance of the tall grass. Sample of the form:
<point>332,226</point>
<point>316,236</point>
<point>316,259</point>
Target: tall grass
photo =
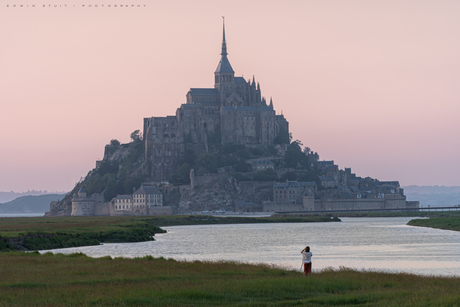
<point>76,280</point>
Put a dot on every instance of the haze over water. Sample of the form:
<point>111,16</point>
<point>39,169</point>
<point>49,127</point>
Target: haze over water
<point>383,244</point>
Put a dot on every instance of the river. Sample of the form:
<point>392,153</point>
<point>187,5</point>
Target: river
<point>382,244</point>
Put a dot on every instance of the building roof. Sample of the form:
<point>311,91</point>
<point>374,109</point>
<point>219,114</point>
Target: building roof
<point>326,178</point>
<point>204,91</point>
<point>147,190</point>
<point>224,65</point>
<point>124,197</point>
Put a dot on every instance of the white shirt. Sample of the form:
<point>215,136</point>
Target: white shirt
<point>306,257</point>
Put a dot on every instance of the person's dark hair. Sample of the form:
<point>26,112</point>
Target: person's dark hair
<point>307,249</point>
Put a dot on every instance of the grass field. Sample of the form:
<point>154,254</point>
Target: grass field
<point>30,279</point>
<point>447,223</point>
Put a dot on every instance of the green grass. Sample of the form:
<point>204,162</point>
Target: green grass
<point>30,279</point>
<point>47,233</point>
<point>447,223</point>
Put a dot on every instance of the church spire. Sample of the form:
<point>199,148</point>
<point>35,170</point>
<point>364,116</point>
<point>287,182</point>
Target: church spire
<point>224,43</point>
<point>224,74</point>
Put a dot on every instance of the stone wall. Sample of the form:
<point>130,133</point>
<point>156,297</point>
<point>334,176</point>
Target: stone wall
<point>160,210</point>
<point>282,207</point>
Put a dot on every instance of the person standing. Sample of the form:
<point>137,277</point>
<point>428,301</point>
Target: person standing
<point>306,259</point>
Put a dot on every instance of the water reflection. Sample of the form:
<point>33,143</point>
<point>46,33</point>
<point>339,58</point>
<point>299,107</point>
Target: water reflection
<point>384,244</point>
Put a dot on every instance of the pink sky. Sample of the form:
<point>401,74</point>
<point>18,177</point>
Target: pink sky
<point>372,85</point>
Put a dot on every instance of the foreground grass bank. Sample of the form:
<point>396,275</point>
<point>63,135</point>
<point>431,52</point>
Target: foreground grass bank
<point>39,233</point>
<point>47,233</point>
<point>447,223</point>
<point>30,279</point>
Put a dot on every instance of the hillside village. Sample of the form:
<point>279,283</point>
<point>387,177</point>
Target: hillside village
<point>224,149</point>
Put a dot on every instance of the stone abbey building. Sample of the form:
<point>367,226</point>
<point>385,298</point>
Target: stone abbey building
<point>233,111</point>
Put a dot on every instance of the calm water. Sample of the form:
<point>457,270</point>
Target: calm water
<point>383,244</point>
<point>21,214</point>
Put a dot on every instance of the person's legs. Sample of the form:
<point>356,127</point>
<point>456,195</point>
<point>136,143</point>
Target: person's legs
<point>307,269</point>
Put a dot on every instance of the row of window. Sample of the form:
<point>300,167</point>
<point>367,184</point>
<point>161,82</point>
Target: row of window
<point>285,191</point>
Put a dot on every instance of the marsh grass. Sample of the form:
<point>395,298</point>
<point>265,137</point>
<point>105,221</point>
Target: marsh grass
<point>447,223</point>
<point>30,279</point>
<point>40,233</point>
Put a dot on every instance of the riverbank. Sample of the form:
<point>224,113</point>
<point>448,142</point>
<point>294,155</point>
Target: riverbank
<point>446,223</point>
<point>42,233</point>
<point>31,279</point>
<point>376,214</point>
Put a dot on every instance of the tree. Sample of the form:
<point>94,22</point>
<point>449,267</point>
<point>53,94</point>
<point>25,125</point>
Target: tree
<point>206,163</point>
<point>266,175</point>
<point>115,142</point>
<point>294,157</point>
<point>283,137</point>
<point>136,136</point>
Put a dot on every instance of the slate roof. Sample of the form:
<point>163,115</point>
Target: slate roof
<point>147,190</point>
<point>204,91</point>
<point>123,197</point>
<point>241,108</point>
<point>224,65</point>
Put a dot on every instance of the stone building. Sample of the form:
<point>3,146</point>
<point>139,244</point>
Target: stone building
<point>84,205</point>
<point>370,194</point>
<point>145,198</point>
<point>123,203</point>
<point>233,111</point>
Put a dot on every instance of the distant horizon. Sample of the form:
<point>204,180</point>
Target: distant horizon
<point>371,85</point>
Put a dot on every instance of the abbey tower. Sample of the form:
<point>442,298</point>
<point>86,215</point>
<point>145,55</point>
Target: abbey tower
<point>234,111</point>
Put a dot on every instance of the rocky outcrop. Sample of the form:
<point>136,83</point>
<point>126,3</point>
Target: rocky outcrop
<point>222,193</point>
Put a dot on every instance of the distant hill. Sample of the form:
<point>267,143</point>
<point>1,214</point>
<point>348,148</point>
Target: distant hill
<point>30,204</point>
<point>434,196</point>
<point>9,196</point>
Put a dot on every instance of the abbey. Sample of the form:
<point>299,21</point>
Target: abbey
<point>234,111</point>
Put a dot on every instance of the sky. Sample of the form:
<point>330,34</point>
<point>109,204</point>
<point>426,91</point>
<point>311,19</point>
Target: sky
<point>372,85</point>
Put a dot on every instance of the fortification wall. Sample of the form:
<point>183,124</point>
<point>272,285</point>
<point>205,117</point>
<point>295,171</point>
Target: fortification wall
<point>349,204</point>
<point>102,209</point>
<point>160,210</point>
<point>83,207</point>
<point>395,201</point>
<point>282,207</point>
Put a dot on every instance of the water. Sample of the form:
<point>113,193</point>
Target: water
<point>382,244</point>
<point>21,214</point>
